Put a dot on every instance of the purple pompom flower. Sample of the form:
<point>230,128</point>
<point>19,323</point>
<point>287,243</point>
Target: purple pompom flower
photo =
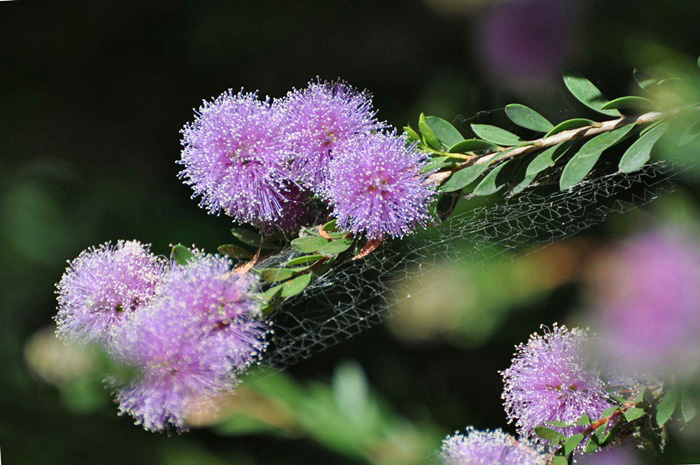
<point>489,448</point>
<point>189,344</point>
<point>647,307</point>
<point>551,380</point>
<point>218,300</point>
<point>177,370</point>
<point>235,158</point>
<point>375,186</point>
<point>319,118</point>
<point>103,286</point>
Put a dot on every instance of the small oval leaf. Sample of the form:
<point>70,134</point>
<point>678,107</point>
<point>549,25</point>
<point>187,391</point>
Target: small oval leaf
<point>181,254</point>
<point>634,413</point>
<point>309,244</point>
<point>246,236</point>
<point>572,443</point>
<point>296,285</point>
<point>528,118</point>
<point>569,124</point>
<point>447,134</point>
<point>549,434</point>
<point>587,93</point>
<point>631,101</point>
<point>472,145</point>
<point>639,153</point>
<point>462,178</point>
<point>234,251</point>
<point>336,247</point>
<point>428,135</point>
<point>496,135</point>
<point>666,407</point>
<point>304,259</point>
<point>491,184</point>
<point>546,159</point>
<point>411,134</point>
<point>274,275</point>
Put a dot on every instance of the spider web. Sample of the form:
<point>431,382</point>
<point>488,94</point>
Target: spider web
<point>356,295</point>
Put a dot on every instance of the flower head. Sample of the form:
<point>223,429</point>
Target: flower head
<point>103,286</point>
<point>217,300</point>
<point>648,300</point>
<point>235,158</point>
<point>551,380</point>
<point>188,345</point>
<point>177,370</point>
<point>375,186</point>
<point>319,118</point>
<point>489,448</point>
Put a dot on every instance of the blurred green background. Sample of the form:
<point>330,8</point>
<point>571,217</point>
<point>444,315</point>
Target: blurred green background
<point>92,96</point>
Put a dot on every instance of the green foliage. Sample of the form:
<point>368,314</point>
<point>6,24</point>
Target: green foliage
<point>569,124</point>
<point>587,93</point>
<point>181,254</point>
<point>496,135</point>
<point>447,134</point>
<point>639,153</point>
<point>309,244</point>
<point>472,145</point>
<point>667,406</point>
<point>528,118</point>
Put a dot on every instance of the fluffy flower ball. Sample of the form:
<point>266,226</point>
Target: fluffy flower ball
<point>103,286</point>
<point>647,307</point>
<point>235,158</point>
<point>489,448</point>
<point>319,118</point>
<point>189,344</point>
<point>551,380</point>
<point>375,186</point>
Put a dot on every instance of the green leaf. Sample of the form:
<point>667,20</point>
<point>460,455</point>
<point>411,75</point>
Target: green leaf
<point>687,407</point>
<point>584,420</point>
<point>640,397</point>
<point>246,236</point>
<point>559,460</point>
<point>491,184</point>
<point>472,145</point>
<point>549,434</point>
<point>631,101</point>
<point>272,292</point>
<point>411,134</point>
<point>587,93</point>
<point>644,80</point>
<point>309,244</point>
<point>583,162</point>
<point>332,225</point>
<point>447,134</point>
<point>601,431</point>
<point>336,247</point>
<point>351,392</point>
<point>609,411</point>
<point>572,443</point>
<point>524,183</point>
<point>591,446</point>
<point>528,118</point>
<point>463,177</point>
<point>689,134</point>
<point>639,153</point>
<point>569,124</point>
<point>546,159</point>
<point>304,259</point>
<point>427,133</point>
<point>667,406</point>
<point>181,254</point>
<point>234,251</point>
<point>274,275</point>
<point>435,164</point>
<point>634,413</point>
<point>496,135</point>
<point>296,285</point>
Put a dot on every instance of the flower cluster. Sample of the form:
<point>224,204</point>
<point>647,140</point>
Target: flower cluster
<point>489,448</point>
<point>186,330</point>
<point>262,162</point>
<point>551,380</point>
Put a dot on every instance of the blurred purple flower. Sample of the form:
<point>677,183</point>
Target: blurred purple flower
<point>551,380</point>
<point>188,344</point>
<point>647,307</point>
<point>103,286</point>
<point>610,456</point>
<point>375,186</point>
<point>235,158</point>
<point>319,118</point>
<point>525,41</point>
<point>489,448</point>
<point>177,370</point>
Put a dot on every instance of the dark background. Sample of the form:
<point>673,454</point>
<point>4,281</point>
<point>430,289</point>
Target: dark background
<point>93,94</point>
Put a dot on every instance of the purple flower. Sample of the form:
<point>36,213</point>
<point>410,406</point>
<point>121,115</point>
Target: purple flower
<point>103,286</point>
<point>489,448</point>
<point>177,370</point>
<point>236,158</point>
<point>647,307</point>
<point>375,186</point>
<point>188,345</point>
<point>319,118</point>
<point>610,456</point>
<point>217,300</point>
<point>551,380</point>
